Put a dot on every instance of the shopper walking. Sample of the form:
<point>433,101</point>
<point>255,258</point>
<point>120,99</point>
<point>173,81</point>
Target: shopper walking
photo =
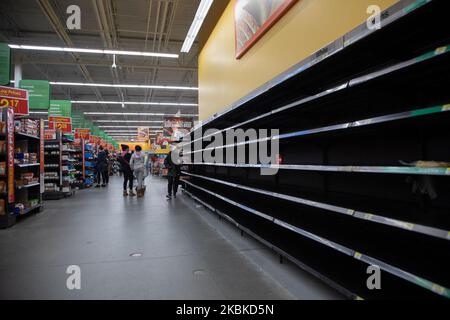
<point>137,164</point>
<point>124,160</point>
<point>102,164</point>
<point>172,164</point>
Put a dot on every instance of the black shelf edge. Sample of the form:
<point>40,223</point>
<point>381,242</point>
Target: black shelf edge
<point>395,12</point>
<point>426,284</point>
<point>348,84</point>
<point>404,225</point>
<point>342,126</point>
<point>438,171</point>
<point>348,294</point>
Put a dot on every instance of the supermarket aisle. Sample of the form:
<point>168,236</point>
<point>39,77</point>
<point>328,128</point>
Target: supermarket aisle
<point>186,253</point>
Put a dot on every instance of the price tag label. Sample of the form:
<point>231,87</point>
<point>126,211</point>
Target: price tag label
<point>441,50</point>
<point>358,255</point>
<point>438,289</point>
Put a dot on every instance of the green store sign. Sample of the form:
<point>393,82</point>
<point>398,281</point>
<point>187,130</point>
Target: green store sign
<point>61,108</point>
<point>38,93</point>
<point>5,64</point>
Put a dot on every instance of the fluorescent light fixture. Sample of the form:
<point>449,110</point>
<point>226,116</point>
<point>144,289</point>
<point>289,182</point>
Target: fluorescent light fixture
<point>95,51</point>
<point>200,16</point>
<point>129,86</point>
<point>138,103</point>
<point>137,114</point>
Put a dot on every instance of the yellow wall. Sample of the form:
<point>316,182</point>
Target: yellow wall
<point>144,145</point>
<point>307,27</point>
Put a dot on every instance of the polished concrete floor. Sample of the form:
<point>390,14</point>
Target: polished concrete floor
<point>183,252</point>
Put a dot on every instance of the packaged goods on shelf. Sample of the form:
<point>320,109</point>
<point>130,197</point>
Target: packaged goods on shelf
<point>51,153</point>
<point>2,127</point>
<point>52,146</point>
<point>51,187</point>
<point>2,187</point>
<point>51,174</point>
<point>19,182</point>
<point>2,207</point>
<point>19,208</point>
<point>24,158</point>
<point>2,168</point>
<point>27,126</point>
<point>32,203</point>
<point>28,178</point>
<point>2,147</point>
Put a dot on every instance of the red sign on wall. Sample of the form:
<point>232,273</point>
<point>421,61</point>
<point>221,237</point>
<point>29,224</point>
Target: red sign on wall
<point>17,99</point>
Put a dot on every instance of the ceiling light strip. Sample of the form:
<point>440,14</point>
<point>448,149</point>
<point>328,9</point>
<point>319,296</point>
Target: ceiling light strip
<point>200,16</point>
<point>138,114</point>
<point>129,86</point>
<point>138,103</point>
<point>95,51</point>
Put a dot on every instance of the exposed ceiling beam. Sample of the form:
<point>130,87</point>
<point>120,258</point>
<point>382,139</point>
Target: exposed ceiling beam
<point>55,22</point>
<point>105,20</point>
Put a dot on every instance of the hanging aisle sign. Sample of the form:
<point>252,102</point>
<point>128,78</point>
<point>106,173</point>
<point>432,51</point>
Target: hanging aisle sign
<point>17,99</point>
<point>5,64</point>
<point>60,108</point>
<point>61,123</point>
<point>82,133</point>
<point>38,93</point>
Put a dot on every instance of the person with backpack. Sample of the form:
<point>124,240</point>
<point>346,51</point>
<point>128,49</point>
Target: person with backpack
<point>137,164</point>
<point>128,177</point>
<point>102,164</point>
<point>172,164</point>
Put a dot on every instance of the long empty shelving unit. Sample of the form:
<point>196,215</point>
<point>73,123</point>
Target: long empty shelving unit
<point>365,146</point>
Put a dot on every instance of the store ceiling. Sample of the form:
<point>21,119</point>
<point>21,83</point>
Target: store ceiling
<point>140,25</point>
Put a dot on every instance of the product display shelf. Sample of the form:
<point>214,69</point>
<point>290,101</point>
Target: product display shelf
<point>361,173</point>
<point>68,169</point>
<point>22,160</point>
<point>53,167</point>
<point>78,164</point>
<point>89,167</point>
